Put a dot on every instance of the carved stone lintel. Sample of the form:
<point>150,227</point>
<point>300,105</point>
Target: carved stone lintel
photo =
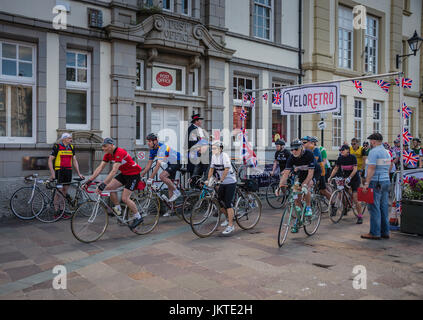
<point>194,63</point>
<point>152,55</point>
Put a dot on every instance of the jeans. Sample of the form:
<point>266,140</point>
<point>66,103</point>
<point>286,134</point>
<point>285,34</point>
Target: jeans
<point>379,210</point>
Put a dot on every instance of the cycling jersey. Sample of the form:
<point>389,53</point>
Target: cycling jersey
<point>303,163</point>
<point>63,156</point>
<point>282,157</point>
<point>380,158</point>
<point>119,155</point>
<point>220,163</point>
<point>347,164</point>
<point>359,154</point>
<point>164,153</point>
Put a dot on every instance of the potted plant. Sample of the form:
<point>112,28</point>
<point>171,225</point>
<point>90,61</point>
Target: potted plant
<point>412,207</point>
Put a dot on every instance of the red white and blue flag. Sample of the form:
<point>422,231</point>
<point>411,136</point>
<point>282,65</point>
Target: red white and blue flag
<point>248,156</point>
<point>410,158</point>
<point>384,85</point>
<point>406,180</point>
<point>243,115</point>
<point>406,111</point>
<point>358,85</point>
<point>277,98</point>
<point>252,102</point>
<point>246,96</point>
<point>265,96</point>
<point>406,135</point>
<point>406,82</point>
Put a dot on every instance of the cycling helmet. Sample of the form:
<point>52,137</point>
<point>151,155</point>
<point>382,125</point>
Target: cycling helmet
<point>306,138</point>
<point>296,143</point>
<point>314,139</point>
<point>218,143</point>
<point>280,142</point>
<point>152,136</point>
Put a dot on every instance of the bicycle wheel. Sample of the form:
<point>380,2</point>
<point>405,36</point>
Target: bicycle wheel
<point>205,217</point>
<point>285,225</point>
<point>336,206</point>
<point>90,221</point>
<point>274,201</point>
<point>311,224</point>
<point>149,208</point>
<point>248,210</point>
<point>323,203</point>
<point>26,203</point>
<point>54,206</point>
<point>189,203</point>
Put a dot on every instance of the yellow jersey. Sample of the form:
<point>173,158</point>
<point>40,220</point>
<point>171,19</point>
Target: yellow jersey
<point>359,153</point>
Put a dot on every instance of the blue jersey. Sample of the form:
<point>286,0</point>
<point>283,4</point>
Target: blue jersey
<point>380,158</point>
<point>164,153</point>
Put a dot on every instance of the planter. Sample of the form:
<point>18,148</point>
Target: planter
<point>412,217</point>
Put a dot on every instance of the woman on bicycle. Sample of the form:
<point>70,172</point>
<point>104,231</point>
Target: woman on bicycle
<point>221,163</point>
<point>349,170</point>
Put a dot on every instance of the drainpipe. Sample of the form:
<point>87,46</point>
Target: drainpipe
<point>300,32</point>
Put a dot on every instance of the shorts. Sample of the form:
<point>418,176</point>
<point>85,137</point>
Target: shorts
<point>226,194</point>
<point>322,183</point>
<point>355,183</point>
<point>63,175</point>
<point>172,169</point>
<point>130,182</point>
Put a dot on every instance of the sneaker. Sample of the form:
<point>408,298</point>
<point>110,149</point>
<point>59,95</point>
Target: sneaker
<point>136,223</point>
<point>359,220</point>
<point>224,223</point>
<point>308,212</point>
<point>228,230</point>
<point>168,213</point>
<point>176,195</point>
<point>117,211</point>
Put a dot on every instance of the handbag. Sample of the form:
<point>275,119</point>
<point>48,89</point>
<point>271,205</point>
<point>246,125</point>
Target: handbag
<point>367,197</point>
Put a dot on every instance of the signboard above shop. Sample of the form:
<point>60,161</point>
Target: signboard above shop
<point>311,99</point>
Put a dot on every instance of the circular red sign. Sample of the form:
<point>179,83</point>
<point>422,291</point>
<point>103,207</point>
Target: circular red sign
<point>164,79</point>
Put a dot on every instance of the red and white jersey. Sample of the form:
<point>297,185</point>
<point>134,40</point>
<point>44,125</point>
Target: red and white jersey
<point>120,155</point>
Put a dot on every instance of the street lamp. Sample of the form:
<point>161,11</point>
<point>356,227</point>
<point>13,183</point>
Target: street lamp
<point>413,43</point>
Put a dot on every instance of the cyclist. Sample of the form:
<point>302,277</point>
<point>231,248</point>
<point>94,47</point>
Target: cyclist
<point>281,156</point>
<point>63,154</point>
<point>326,162</point>
<point>163,153</point>
<point>347,163</point>
<point>303,163</point>
<point>359,152</point>
<point>221,163</point>
<point>129,177</point>
<point>310,144</point>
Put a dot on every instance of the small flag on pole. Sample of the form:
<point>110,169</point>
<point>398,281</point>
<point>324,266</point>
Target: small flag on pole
<point>277,98</point>
<point>406,135</point>
<point>246,96</point>
<point>410,158</point>
<point>248,156</point>
<point>252,102</point>
<point>406,82</point>
<point>406,111</point>
<point>243,115</point>
<point>265,96</point>
<point>384,85</point>
<point>358,85</point>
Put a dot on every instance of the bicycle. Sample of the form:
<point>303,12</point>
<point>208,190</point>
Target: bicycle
<point>341,201</point>
<point>278,201</point>
<point>205,215</point>
<point>293,211</point>
<point>91,219</point>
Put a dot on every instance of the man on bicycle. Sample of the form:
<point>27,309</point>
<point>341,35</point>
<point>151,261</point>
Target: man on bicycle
<point>281,156</point>
<point>163,153</point>
<point>221,163</point>
<point>129,177</point>
<point>347,163</point>
<point>63,154</point>
<point>303,163</point>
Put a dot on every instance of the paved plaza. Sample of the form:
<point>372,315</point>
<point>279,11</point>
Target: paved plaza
<point>173,263</point>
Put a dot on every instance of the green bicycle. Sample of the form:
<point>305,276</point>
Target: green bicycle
<point>293,216</point>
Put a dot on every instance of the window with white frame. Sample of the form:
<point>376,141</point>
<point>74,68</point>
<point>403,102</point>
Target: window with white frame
<point>195,82</point>
<point>263,20</point>
<point>345,37</point>
<point>168,78</point>
<point>358,120</point>
<point>248,84</point>
<point>167,5</point>
<point>17,92</point>
<point>337,127</point>
<point>407,123</point>
<point>186,7</point>
<point>377,117</point>
<point>78,90</point>
<point>371,45</point>
<point>140,117</point>
<point>140,75</point>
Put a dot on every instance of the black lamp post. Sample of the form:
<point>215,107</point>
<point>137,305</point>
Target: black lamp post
<point>414,43</point>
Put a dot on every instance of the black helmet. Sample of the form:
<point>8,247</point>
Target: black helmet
<point>296,143</point>
<point>314,139</point>
<point>152,136</point>
<point>280,142</point>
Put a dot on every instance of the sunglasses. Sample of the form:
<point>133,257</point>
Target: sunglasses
<point>295,149</point>
<point>304,142</point>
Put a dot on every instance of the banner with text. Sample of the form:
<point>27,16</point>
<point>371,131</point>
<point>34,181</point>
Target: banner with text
<point>311,99</point>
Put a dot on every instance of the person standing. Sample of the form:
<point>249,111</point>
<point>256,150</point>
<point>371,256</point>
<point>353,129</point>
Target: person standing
<point>359,152</point>
<point>377,178</point>
<point>197,145</point>
<point>63,154</point>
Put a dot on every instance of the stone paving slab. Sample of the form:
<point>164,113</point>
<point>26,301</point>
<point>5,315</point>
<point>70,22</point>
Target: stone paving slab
<point>173,263</point>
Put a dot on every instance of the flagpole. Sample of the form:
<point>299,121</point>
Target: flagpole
<point>401,98</point>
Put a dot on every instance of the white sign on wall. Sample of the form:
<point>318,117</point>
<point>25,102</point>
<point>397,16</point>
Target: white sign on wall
<point>164,78</point>
<point>311,99</point>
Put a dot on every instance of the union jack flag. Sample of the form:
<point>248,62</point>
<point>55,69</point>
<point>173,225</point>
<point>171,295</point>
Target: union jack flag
<point>246,96</point>
<point>384,85</point>
<point>406,82</point>
<point>277,98</point>
<point>265,96</point>
<point>243,115</point>
<point>406,110</point>
<point>410,158</point>
<point>406,180</point>
<point>248,156</point>
<point>252,102</point>
<point>358,85</point>
<point>406,135</point>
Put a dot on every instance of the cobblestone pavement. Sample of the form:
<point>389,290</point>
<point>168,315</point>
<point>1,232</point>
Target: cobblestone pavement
<point>172,263</point>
